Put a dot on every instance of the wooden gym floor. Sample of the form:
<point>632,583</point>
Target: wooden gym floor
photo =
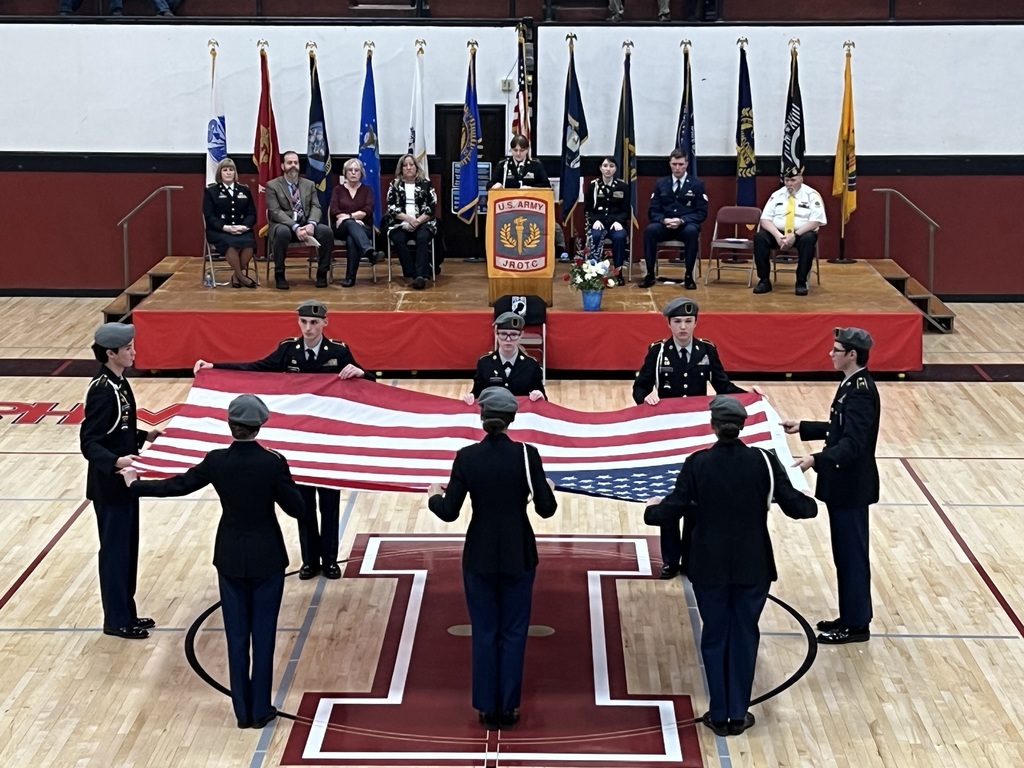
<point>941,683</point>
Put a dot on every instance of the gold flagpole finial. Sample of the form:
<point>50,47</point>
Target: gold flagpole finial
<point>628,45</point>
<point>848,45</point>
<point>262,45</point>
<point>421,45</point>
<point>742,42</point>
<point>311,48</point>
<point>685,44</point>
<point>369,46</point>
<point>794,42</point>
<point>212,45</point>
<point>472,45</point>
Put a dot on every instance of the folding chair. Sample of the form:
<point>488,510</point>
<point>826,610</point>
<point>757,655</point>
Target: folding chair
<point>785,260</point>
<point>214,262</point>
<point>535,333</point>
<point>677,256</point>
<point>744,221</point>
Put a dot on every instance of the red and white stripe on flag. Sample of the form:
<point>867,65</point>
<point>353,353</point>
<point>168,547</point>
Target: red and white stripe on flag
<point>362,435</point>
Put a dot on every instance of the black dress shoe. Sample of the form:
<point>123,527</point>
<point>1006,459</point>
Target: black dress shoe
<point>143,622</point>
<point>321,280</point>
<point>620,279</point>
<point>419,283</point>
<point>827,626</point>
<point>844,635</point>
<point>689,284</point>
<point>262,722</point>
<point>128,633</point>
<point>348,282</point>
<point>647,282</point>
<point>332,571</point>
<point>490,720</point>
<point>244,724</point>
<point>720,727</point>
<point>763,286</point>
<point>509,718</point>
<point>736,727</point>
<point>669,572</point>
<point>307,572</point>
<point>281,283</point>
<point>801,289</point>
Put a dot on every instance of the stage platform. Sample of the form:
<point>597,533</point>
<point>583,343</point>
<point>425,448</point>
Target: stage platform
<point>391,327</point>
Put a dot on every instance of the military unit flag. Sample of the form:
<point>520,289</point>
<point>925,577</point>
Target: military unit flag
<point>746,157</point>
<point>844,175</point>
<point>625,139</point>
<point>793,147</point>
<point>417,139</point>
<point>266,154</point>
<point>521,111</point>
<point>318,149</point>
<point>469,186</point>
<point>216,128</point>
<point>369,152</point>
<point>686,137</point>
<point>574,134</point>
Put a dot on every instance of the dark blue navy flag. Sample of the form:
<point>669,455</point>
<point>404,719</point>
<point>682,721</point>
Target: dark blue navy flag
<point>574,134</point>
<point>746,158</point>
<point>469,189</point>
<point>368,149</point>
<point>793,149</point>
<point>318,150</point>
<point>686,137</point>
<point>625,139</point>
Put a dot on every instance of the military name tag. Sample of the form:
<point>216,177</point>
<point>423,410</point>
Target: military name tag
<point>332,363</point>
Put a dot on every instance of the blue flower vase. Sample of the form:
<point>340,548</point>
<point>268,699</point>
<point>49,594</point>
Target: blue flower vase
<point>592,301</point>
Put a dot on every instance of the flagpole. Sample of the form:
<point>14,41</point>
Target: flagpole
<point>844,144</point>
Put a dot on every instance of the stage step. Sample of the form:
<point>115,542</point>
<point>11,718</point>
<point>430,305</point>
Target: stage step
<point>894,274</point>
<point>938,317</point>
<point>119,308</point>
<point>116,309</point>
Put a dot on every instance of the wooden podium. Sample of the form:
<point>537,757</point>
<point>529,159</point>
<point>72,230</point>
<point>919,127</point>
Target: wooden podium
<point>520,243</point>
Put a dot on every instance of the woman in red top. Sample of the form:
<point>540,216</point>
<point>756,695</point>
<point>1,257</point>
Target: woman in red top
<point>352,219</point>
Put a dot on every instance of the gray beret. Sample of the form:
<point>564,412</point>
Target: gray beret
<point>114,335</point>
<point>855,338</point>
<point>680,308</point>
<point>312,308</point>
<point>498,400</point>
<point>728,409</point>
<point>509,321</point>
<point>249,411</point>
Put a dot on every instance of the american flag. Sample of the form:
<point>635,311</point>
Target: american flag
<point>361,435</point>
<point>521,111</point>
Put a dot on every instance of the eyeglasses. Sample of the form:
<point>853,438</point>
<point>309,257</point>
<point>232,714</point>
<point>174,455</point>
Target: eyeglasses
<point>508,335</point>
<point>839,351</point>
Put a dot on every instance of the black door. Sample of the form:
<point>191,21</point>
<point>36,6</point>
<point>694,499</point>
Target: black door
<point>463,240</point>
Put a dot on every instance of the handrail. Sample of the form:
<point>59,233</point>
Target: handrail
<point>123,223</point>
<point>932,226</point>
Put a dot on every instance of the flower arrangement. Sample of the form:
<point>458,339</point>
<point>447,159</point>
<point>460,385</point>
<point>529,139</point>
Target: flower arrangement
<point>590,274</point>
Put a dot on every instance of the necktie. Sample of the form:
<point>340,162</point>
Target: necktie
<point>297,203</point>
<point>790,214</point>
<point>685,356</point>
<point>310,355</point>
<point>508,370</point>
<point>675,187</point>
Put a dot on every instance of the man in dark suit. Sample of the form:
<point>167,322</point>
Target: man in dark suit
<point>847,481</point>
<point>678,206</point>
<point>723,494</point>
<point>293,210</point>
<point>508,366</point>
<point>312,353</point>
<point>249,553</point>
<point>110,440</point>
<point>680,366</point>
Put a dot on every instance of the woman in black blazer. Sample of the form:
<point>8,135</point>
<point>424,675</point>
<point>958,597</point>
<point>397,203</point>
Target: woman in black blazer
<point>230,213</point>
<point>411,208</point>
<point>499,560</point>
<point>249,553</point>
<point>723,494</point>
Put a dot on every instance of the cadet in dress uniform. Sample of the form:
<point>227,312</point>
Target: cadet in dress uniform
<point>311,353</point>
<point>249,553</point>
<point>499,560</point>
<point>679,205</point>
<point>110,440</point>
<point>520,170</point>
<point>230,214</point>
<point>607,213</point>
<point>847,481</point>
<point>680,366</point>
<point>508,366</point>
<point>790,219</point>
<point>723,494</point>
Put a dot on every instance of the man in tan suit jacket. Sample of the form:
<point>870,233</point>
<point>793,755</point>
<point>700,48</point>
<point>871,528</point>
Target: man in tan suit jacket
<point>293,211</point>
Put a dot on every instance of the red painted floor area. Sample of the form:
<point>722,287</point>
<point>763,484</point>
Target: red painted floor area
<point>419,711</point>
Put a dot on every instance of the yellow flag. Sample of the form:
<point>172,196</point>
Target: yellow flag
<point>844,176</point>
